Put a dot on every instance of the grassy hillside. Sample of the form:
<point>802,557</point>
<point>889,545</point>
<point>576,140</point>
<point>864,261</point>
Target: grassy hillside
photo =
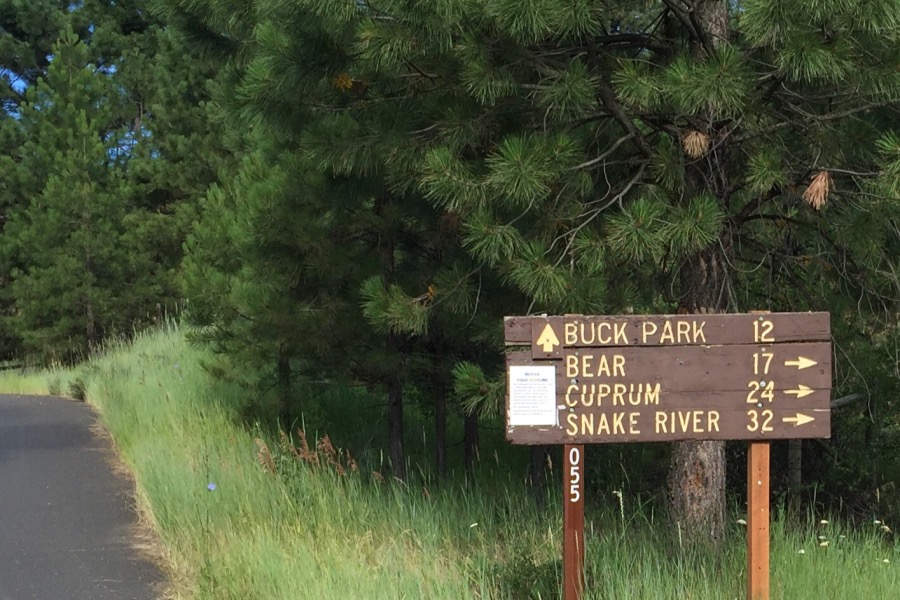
<point>248,515</point>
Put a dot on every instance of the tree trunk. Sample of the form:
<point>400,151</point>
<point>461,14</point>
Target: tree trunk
<point>395,429</point>
<point>697,480</point>
<point>697,475</point>
<point>795,473</point>
<point>283,381</point>
<point>440,431</point>
<point>470,443</point>
<point>537,474</point>
<point>392,379</point>
<point>795,465</point>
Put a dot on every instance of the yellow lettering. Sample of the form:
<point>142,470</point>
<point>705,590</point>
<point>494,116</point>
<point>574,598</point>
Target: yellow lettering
<point>584,338</point>
<point>651,396</point>
<point>569,402</point>
<point>618,427</point>
<point>586,367</point>
<point>603,367</point>
<point>619,394</point>
<point>632,423</point>
<point>699,336</point>
<point>600,337</point>
<point>620,334</point>
<point>603,392</point>
<point>684,332</point>
<point>660,422</point>
<point>667,334</point>
<point>571,365</point>
<point>587,424</point>
<point>619,365</point>
<point>603,427</point>
<point>648,328</point>
<point>572,427</point>
<point>697,425</point>
<point>684,418</point>
<point>569,332</point>
<point>635,399</point>
<point>712,421</point>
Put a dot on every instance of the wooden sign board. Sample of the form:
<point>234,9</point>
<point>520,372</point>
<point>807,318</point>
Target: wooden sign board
<point>581,379</point>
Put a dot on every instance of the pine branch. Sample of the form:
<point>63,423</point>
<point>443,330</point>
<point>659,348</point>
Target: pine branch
<point>754,205</point>
<point>595,213</point>
<point>603,156</point>
<point>686,20</point>
<point>634,41</point>
<point>608,98</point>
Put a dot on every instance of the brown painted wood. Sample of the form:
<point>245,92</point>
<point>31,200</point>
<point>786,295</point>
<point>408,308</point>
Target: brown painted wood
<point>678,330</point>
<point>700,368</point>
<point>517,331</point>
<point>612,427</point>
<point>573,522</point>
<point>758,521</point>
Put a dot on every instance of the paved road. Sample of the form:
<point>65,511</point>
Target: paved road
<point>66,522</point>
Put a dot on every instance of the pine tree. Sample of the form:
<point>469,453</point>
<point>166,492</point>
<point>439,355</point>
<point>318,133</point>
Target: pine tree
<point>144,111</point>
<point>598,157</point>
<point>577,142</point>
<point>64,241</point>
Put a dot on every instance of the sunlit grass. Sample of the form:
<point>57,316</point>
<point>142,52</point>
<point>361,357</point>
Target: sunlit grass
<point>244,516</point>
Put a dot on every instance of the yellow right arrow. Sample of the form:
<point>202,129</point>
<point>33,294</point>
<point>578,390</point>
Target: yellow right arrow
<point>801,392</point>
<point>798,420</point>
<point>801,363</point>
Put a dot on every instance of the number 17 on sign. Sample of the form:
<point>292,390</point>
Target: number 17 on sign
<point>573,521</point>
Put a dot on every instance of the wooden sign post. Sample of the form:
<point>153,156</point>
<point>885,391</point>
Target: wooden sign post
<point>758,521</point>
<point>580,379</point>
<point>573,521</point>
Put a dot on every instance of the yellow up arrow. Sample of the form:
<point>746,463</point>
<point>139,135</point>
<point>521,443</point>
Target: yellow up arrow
<point>801,392</point>
<point>801,363</point>
<point>800,419</point>
<point>548,339</point>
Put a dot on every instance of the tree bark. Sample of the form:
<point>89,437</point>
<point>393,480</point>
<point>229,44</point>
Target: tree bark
<point>470,444</point>
<point>395,429</point>
<point>440,431</point>
<point>795,473</point>
<point>283,377</point>
<point>537,474</point>
<point>392,379</point>
<point>697,473</point>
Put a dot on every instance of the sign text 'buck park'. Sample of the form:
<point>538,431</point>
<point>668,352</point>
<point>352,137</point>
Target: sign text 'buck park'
<point>597,379</point>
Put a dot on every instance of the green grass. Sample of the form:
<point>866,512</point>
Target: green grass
<point>278,527</point>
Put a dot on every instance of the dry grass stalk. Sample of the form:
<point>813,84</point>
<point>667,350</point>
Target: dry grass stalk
<point>303,452</point>
<point>817,191</point>
<point>331,455</point>
<point>351,462</point>
<point>264,456</point>
<point>695,143</point>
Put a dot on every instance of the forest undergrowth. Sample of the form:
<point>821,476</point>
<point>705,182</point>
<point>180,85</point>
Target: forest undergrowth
<point>244,512</point>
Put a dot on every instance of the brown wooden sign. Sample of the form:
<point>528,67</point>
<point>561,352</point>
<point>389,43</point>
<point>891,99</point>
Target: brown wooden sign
<point>668,377</point>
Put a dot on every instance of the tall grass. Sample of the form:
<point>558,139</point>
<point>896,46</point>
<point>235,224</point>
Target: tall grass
<point>245,515</point>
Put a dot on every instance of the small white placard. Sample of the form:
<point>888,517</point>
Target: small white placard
<point>532,395</point>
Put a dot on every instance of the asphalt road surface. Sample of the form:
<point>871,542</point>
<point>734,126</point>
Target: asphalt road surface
<point>67,522</point>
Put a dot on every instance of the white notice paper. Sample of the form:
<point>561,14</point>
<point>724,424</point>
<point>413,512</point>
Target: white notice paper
<point>532,395</point>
